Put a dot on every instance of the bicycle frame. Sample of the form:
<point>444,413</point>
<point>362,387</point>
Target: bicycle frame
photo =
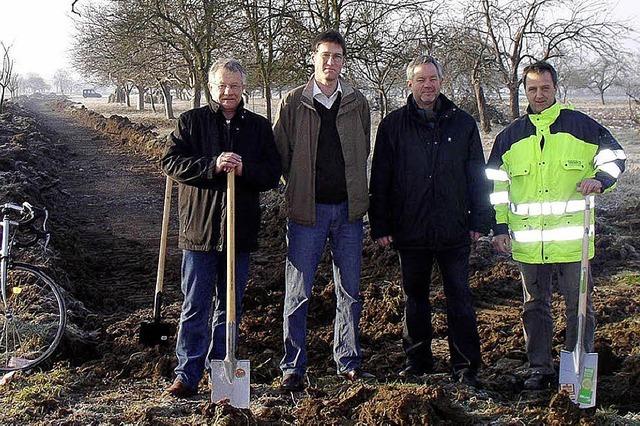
<point>32,309</point>
<point>5,252</point>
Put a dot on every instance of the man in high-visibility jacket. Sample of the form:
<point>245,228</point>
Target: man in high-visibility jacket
<point>542,166</point>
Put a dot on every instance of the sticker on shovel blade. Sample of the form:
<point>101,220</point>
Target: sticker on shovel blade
<point>569,388</point>
<point>240,373</point>
<point>586,389</point>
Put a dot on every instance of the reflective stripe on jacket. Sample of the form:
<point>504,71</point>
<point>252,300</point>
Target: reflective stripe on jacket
<point>536,164</point>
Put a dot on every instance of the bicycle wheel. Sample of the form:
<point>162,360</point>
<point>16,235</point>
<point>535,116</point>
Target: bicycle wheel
<point>32,318</point>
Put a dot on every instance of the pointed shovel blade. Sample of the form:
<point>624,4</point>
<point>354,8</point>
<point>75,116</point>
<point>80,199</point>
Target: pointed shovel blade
<point>235,389</point>
<point>581,384</point>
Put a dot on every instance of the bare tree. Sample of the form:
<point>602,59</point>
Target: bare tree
<point>271,28</point>
<point>570,74</point>
<point>604,71</point>
<point>35,83</point>
<point>62,81</point>
<point>15,85</point>
<point>384,50</point>
<point>522,31</point>
<point>5,72</point>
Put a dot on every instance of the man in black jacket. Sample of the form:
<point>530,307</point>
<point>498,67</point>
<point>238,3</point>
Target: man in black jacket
<point>429,199</point>
<point>208,143</point>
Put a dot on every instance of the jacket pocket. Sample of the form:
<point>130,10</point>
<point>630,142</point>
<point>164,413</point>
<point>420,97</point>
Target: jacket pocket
<point>520,169</point>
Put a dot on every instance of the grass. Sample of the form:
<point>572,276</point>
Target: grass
<point>629,278</point>
<point>31,395</point>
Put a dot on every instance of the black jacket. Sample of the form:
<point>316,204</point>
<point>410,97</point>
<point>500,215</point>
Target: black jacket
<point>190,159</point>
<point>428,186</point>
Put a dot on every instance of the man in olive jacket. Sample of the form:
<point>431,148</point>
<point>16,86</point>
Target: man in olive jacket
<point>322,132</point>
<point>208,143</point>
<point>430,199</point>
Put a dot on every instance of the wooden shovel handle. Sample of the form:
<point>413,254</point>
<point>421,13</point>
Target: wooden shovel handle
<point>231,247</point>
<point>163,246</point>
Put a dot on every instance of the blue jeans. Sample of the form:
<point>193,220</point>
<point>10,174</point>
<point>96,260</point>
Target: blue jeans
<point>305,247</point>
<point>204,281</point>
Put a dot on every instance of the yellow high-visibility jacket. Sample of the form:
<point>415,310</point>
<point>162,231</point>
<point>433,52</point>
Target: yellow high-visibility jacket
<point>535,165</point>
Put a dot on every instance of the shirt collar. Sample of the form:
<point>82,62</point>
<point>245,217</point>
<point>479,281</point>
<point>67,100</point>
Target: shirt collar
<point>317,91</point>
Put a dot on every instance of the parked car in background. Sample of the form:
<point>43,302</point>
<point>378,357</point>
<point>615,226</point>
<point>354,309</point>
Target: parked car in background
<point>90,93</point>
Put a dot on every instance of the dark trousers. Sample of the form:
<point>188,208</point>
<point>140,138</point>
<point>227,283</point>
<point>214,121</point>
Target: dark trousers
<point>464,342</point>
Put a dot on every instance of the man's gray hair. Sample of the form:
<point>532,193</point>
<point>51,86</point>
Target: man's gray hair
<point>228,64</point>
<point>424,59</point>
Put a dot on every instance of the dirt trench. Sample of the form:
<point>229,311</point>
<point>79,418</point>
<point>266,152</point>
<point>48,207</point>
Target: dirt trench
<point>110,192</point>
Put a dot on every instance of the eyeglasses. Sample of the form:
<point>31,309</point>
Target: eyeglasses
<point>232,87</point>
<point>337,57</point>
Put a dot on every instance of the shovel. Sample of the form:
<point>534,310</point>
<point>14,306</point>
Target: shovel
<point>156,332</point>
<point>579,369</point>
<point>230,378</point>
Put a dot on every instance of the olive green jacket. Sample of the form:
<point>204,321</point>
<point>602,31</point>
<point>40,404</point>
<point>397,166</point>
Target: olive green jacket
<point>296,131</point>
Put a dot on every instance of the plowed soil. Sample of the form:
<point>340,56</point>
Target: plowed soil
<point>104,188</point>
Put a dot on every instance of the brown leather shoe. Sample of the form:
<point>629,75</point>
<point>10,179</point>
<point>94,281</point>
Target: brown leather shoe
<point>292,383</point>
<point>180,390</point>
<point>357,375</point>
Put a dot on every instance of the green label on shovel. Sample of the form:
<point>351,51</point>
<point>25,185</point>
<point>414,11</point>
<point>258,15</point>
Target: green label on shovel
<point>586,387</point>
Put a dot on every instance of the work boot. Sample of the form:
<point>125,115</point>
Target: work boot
<point>180,390</point>
<point>292,383</point>
<point>412,371</point>
<point>357,375</point>
<point>466,376</point>
<point>539,381</point>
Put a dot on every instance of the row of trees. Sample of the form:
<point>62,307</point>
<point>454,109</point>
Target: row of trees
<point>484,44</point>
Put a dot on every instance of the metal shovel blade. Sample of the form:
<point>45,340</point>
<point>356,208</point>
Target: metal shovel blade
<point>581,382</point>
<point>231,383</point>
<point>155,333</point>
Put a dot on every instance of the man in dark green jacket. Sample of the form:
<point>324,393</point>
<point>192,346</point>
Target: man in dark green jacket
<point>208,143</point>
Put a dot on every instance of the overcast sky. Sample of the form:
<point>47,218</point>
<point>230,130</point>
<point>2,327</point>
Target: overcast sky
<point>40,31</point>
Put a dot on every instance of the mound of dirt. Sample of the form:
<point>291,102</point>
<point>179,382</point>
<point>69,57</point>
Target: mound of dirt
<point>117,266</point>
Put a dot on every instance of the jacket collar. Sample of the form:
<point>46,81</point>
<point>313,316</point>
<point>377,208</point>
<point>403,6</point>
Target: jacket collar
<point>548,116</point>
<point>307,92</point>
<point>214,107</point>
<point>444,107</point>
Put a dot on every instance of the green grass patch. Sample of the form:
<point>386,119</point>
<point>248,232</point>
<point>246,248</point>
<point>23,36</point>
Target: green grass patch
<point>32,395</point>
<point>630,279</point>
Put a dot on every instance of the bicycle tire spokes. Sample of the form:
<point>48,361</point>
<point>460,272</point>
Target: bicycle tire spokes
<point>32,318</point>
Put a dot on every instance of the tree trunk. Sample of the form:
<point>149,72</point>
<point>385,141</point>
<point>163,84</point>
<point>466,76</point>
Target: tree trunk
<point>153,101</point>
<point>383,103</point>
<point>514,101</point>
<point>197,94</point>
<point>1,99</point>
<point>141,90</point>
<point>481,102</point>
<point>602,96</point>
<point>168,102</point>
<point>267,96</point>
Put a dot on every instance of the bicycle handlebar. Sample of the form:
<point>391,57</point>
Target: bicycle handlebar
<point>28,214</point>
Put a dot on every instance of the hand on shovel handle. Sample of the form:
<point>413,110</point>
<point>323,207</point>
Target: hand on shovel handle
<point>230,378</point>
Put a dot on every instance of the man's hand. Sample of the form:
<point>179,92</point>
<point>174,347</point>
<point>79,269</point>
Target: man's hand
<point>228,161</point>
<point>475,235</point>
<point>589,186</point>
<point>384,241</point>
<point>502,243</point>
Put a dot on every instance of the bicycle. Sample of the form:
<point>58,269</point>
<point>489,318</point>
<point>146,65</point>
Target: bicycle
<point>32,311</point>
